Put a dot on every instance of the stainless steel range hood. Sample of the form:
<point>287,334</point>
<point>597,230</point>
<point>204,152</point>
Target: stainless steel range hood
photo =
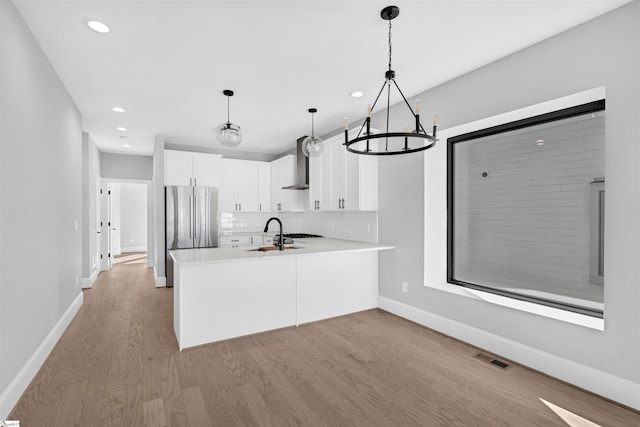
<point>302,169</point>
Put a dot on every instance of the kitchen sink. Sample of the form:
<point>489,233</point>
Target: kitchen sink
<point>272,248</point>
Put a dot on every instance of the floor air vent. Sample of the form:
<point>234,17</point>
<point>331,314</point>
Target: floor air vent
<point>488,359</point>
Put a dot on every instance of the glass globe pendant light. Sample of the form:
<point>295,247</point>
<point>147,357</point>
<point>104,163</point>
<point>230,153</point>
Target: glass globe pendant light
<point>312,146</point>
<point>228,134</point>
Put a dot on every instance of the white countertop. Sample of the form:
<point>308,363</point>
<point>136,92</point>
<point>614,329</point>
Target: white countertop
<point>305,247</point>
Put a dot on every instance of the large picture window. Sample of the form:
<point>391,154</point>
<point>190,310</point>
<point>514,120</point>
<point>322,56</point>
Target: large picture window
<point>526,209</point>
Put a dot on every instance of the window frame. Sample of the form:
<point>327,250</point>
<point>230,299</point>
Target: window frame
<point>590,107</point>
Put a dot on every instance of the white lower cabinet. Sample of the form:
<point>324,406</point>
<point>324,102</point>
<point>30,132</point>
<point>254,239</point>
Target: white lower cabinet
<point>334,284</point>
<point>256,240</point>
<point>241,241</point>
<point>224,300</point>
<point>227,299</point>
<point>234,241</point>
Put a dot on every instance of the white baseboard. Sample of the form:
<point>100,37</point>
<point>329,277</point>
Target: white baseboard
<point>87,282</point>
<point>116,252</point>
<point>11,395</point>
<point>610,386</point>
<point>126,249</point>
<point>161,281</point>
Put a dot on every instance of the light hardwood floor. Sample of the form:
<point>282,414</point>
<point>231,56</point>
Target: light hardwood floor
<point>118,364</point>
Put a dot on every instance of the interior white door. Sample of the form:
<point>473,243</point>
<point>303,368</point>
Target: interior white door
<point>106,260</point>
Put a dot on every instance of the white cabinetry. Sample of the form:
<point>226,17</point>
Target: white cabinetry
<point>283,174</point>
<point>348,286</point>
<point>264,186</point>
<point>242,185</point>
<point>340,180</point>
<point>191,169</point>
<point>234,241</point>
<point>270,292</point>
<point>319,182</point>
<point>243,241</point>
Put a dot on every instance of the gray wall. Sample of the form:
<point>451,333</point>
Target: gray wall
<point>40,194</point>
<point>602,52</point>
<point>123,166</point>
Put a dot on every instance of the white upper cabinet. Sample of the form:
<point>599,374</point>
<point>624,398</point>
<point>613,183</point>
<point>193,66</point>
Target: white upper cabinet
<point>241,185</point>
<point>316,183</point>
<point>340,180</point>
<point>264,186</point>
<point>283,174</point>
<point>191,169</point>
<point>206,169</point>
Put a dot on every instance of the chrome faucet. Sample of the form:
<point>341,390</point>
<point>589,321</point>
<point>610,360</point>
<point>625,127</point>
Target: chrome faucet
<point>281,236</point>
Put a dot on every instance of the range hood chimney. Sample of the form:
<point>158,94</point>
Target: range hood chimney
<point>302,169</point>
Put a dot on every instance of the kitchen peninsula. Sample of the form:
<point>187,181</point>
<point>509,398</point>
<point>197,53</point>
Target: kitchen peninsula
<point>223,293</point>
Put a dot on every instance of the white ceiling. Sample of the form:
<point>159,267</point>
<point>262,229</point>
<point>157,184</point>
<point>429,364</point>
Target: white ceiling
<point>167,62</point>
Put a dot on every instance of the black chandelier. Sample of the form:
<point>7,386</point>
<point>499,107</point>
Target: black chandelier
<point>407,141</point>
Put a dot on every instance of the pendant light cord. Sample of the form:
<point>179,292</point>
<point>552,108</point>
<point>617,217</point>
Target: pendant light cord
<point>389,45</point>
<point>228,121</point>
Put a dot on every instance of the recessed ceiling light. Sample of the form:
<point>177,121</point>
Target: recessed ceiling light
<point>98,27</point>
<point>126,145</point>
<point>356,94</point>
<point>123,129</point>
<point>540,142</point>
<point>118,109</point>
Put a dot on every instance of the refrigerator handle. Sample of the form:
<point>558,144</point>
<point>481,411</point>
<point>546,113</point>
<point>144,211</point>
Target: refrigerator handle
<point>191,217</point>
<point>196,217</point>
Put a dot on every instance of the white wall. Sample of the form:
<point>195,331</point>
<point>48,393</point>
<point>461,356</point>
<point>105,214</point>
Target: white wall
<point>41,204</point>
<point>602,52</point>
<point>133,217</point>
<point>157,203</point>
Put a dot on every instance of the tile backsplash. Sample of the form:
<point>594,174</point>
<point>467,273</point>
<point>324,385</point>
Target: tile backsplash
<point>348,225</point>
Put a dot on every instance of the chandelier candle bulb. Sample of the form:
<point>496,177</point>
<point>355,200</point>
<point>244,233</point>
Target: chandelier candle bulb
<point>369,110</point>
<point>346,123</point>
<point>417,106</point>
<point>435,123</point>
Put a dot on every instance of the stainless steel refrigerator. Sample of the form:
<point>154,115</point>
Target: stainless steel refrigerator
<point>191,215</point>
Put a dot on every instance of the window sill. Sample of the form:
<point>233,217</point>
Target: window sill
<point>529,307</point>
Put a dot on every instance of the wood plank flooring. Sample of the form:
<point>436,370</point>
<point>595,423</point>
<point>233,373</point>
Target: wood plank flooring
<point>118,364</point>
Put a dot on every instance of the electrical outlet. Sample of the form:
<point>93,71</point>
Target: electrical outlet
<point>131,240</point>
<point>405,287</point>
